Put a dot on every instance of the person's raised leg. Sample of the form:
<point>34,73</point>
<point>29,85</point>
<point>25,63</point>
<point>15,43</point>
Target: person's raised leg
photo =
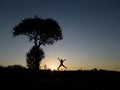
<point>59,67</point>
<point>64,66</point>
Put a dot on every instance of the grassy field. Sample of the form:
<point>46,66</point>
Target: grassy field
<point>53,80</point>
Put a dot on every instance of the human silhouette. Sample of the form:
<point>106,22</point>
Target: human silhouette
<point>61,63</point>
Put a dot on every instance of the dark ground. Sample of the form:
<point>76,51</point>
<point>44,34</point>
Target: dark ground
<point>53,80</point>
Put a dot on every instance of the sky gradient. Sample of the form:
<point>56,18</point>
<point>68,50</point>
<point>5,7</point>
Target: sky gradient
<point>91,30</point>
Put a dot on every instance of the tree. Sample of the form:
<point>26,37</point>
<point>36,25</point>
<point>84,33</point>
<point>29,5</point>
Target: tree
<point>40,31</point>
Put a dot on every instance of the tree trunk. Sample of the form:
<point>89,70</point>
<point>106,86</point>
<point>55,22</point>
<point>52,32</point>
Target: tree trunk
<point>37,65</point>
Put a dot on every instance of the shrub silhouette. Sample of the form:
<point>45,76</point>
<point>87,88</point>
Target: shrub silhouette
<point>16,67</point>
<point>40,31</point>
<point>33,57</point>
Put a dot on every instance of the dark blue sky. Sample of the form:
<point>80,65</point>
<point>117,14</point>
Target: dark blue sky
<point>90,27</point>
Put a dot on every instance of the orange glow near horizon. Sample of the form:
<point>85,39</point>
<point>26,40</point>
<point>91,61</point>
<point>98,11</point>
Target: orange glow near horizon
<point>53,67</point>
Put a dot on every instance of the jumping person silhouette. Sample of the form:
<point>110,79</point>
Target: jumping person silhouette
<point>61,63</point>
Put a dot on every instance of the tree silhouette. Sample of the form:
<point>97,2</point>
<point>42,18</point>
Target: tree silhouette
<point>41,32</point>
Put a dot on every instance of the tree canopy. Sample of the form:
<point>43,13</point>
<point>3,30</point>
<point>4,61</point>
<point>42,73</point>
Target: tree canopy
<point>41,31</point>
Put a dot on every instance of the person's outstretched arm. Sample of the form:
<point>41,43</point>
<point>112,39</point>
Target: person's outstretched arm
<point>59,59</point>
<point>64,59</point>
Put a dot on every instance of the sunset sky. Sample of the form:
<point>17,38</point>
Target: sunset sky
<point>91,30</point>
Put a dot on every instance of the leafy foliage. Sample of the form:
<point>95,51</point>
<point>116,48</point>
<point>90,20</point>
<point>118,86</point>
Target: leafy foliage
<point>34,56</point>
<point>41,31</point>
